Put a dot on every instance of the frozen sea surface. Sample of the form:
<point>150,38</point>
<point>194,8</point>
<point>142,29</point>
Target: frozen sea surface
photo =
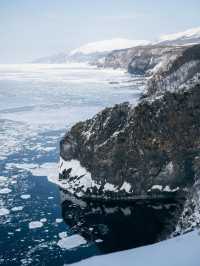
<point>38,103</point>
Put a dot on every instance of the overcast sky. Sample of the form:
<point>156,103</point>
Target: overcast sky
<point>33,28</point>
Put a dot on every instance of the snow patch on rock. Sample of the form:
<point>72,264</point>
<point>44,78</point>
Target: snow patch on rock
<point>126,186</point>
<point>109,187</point>
<point>79,177</point>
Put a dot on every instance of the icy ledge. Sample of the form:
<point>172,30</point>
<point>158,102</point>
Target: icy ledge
<point>179,251</point>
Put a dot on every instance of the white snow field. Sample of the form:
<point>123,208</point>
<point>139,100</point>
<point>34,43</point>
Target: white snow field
<point>180,251</point>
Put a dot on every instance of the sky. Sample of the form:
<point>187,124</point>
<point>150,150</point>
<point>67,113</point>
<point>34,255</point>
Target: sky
<point>30,29</point>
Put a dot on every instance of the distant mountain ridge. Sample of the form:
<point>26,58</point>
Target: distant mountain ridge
<point>188,37</point>
<point>96,52</point>
<point>91,52</point>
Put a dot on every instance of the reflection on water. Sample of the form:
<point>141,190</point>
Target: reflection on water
<point>119,227</point>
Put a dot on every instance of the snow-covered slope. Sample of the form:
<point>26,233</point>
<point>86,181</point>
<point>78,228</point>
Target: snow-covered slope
<point>191,36</point>
<point>179,251</point>
<point>108,45</point>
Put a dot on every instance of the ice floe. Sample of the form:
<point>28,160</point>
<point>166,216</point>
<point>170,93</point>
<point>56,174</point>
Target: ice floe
<point>35,224</point>
<point>59,220</point>
<point>17,208</point>
<point>25,196</point>
<point>47,169</point>
<point>71,242</point>
<point>5,191</point>
<point>4,211</point>
<point>43,220</point>
<point>98,240</point>
<point>23,166</point>
<point>3,179</point>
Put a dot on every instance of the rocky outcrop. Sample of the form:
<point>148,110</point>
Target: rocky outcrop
<point>190,217</point>
<point>176,73</point>
<point>142,60</point>
<point>144,151</point>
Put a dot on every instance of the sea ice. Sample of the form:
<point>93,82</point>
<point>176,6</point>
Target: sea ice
<point>43,220</point>
<point>18,208</point>
<point>35,224</point>
<point>50,197</point>
<point>5,191</point>
<point>98,240</point>
<point>4,211</point>
<point>25,196</point>
<point>71,242</point>
<point>59,220</point>
<point>3,179</point>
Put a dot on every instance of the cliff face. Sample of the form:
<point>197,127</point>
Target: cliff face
<point>147,150</point>
<point>142,60</point>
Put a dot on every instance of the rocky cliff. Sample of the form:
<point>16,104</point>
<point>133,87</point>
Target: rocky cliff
<point>144,151</point>
<point>141,60</point>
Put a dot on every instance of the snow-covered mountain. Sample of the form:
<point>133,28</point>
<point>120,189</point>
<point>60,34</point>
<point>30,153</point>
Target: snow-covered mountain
<point>191,36</point>
<point>108,46</point>
<point>95,52</point>
<point>92,52</point>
